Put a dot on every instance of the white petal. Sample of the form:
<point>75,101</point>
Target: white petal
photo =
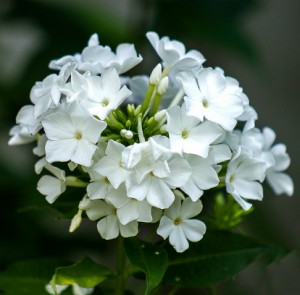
<point>129,230</point>
<point>178,240</point>
<point>190,209</point>
<point>60,150</point>
<point>281,183</point>
<point>108,227</point>
<point>166,225</point>
<point>159,195</point>
<point>193,229</point>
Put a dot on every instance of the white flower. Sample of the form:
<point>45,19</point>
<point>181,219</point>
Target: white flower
<point>174,55</point>
<point>208,96</point>
<point>46,95</point>
<point>156,173</point>
<point>242,178</point>
<point>188,134</point>
<point>277,161</point>
<point>104,93</point>
<point>203,177</point>
<point>72,134</point>
<point>177,225</point>
<point>112,165</point>
<point>76,289</point>
<point>96,58</point>
<point>109,227</point>
<point>20,135</point>
<point>129,209</point>
<point>51,187</point>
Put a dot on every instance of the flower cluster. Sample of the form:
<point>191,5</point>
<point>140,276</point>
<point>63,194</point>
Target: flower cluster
<point>147,148</point>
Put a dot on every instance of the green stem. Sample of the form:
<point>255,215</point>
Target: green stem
<point>75,182</point>
<point>120,268</point>
<point>148,97</point>
<point>156,104</point>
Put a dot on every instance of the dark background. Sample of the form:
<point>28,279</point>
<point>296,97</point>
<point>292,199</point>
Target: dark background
<point>255,41</point>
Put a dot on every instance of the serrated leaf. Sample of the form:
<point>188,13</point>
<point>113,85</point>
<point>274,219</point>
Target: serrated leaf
<point>28,277</point>
<point>150,259</point>
<point>218,257</point>
<point>86,273</point>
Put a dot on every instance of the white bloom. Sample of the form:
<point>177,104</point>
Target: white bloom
<point>20,135</point>
<point>105,93</point>
<point>72,134</point>
<point>129,209</point>
<point>77,88</point>
<point>46,94</point>
<point>203,177</point>
<point>76,289</point>
<point>51,187</point>
<point>96,58</point>
<point>177,225</point>
<point>174,55</point>
<point>112,165</point>
<point>279,181</point>
<point>188,134</point>
<point>242,178</point>
<point>208,96</point>
<point>109,226</point>
<point>156,173</point>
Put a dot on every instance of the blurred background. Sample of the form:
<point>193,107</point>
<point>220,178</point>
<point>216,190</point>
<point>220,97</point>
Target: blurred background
<point>255,41</point>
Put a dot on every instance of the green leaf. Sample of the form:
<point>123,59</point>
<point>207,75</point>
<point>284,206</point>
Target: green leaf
<point>28,277</point>
<point>86,273</point>
<point>150,259</point>
<point>218,257</point>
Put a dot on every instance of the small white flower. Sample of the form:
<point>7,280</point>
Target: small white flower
<point>109,226</point>
<point>51,187</point>
<point>177,225</point>
<point>129,209</point>
<point>242,178</point>
<point>72,135</point>
<point>208,96</point>
<point>188,134</point>
<point>112,165</point>
<point>277,161</point>
<point>96,58</point>
<point>104,93</point>
<point>174,55</point>
<point>203,177</point>
<point>156,172</point>
<point>46,95</point>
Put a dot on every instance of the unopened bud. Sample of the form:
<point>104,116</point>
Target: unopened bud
<point>155,76</point>
<point>163,85</point>
<point>163,129</point>
<point>126,134</point>
<point>160,116</point>
<point>76,221</point>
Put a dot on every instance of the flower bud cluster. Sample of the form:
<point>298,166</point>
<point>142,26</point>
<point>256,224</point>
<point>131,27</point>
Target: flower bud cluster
<point>150,146</point>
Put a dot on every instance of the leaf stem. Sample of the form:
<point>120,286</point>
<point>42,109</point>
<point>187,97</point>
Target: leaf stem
<point>121,261</point>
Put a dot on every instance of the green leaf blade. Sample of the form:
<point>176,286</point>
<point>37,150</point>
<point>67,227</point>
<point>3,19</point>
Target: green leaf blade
<point>86,273</point>
<point>218,257</point>
<point>150,259</point>
<point>28,277</point>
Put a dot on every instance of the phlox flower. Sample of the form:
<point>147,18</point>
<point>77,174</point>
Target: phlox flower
<point>109,226</point>
<point>72,135</point>
<point>176,223</point>
<point>279,181</point>
<point>207,96</point>
<point>104,93</point>
<point>243,178</point>
<point>188,134</point>
<point>156,172</point>
<point>174,55</point>
<point>96,58</point>
<point>129,209</point>
<point>111,165</point>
